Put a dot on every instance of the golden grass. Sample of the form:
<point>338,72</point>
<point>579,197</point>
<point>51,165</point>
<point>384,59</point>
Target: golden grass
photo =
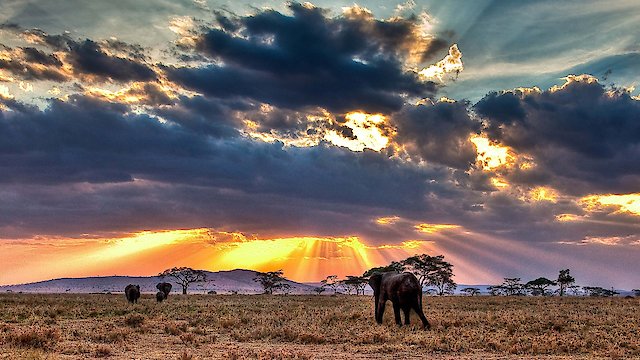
<point>309,327</point>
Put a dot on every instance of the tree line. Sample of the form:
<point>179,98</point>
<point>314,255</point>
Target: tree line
<point>434,273</point>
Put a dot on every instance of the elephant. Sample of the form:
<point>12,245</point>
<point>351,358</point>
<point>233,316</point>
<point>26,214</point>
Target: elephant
<point>132,293</point>
<point>160,296</point>
<point>404,291</point>
<point>165,288</point>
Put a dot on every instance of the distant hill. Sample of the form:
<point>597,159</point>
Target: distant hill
<point>221,281</point>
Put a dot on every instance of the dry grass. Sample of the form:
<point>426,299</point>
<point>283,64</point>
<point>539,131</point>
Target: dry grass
<point>309,327</point>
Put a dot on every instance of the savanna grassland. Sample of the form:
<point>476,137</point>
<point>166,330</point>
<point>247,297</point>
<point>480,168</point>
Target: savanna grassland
<point>309,327</point>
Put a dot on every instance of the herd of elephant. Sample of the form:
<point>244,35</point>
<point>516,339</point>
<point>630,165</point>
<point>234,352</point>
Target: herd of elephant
<point>402,289</point>
<point>132,292</point>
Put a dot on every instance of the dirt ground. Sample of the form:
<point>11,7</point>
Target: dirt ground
<point>313,327</point>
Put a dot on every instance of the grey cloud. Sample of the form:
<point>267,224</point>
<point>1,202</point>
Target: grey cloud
<point>584,138</point>
<point>306,59</point>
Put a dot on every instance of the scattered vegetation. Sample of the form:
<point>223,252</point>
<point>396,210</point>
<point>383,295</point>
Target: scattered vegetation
<point>310,326</point>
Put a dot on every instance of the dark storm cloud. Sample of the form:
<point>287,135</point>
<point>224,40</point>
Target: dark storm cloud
<point>106,60</point>
<point>583,137</point>
<point>87,141</point>
<point>438,133</point>
<point>308,59</point>
<point>89,58</point>
<point>205,116</point>
<point>32,64</point>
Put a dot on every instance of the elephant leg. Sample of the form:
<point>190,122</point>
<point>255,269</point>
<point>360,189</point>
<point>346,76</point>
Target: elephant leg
<point>425,322</point>
<point>407,311</point>
<point>396,313</point>
<point>380,312</point>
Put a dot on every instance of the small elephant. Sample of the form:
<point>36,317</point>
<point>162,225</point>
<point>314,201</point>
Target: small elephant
<point>160,296</point>
<point>404,291</point>
<point>165,288</point>
<point>132,293</point>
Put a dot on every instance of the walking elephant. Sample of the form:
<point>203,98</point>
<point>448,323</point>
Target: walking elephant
<point>165,288</point>
<point>132,293</point>
<point>404,291</point>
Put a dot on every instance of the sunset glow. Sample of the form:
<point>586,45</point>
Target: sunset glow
<point>490,155</point>
<point>629,203</point>
<point>319,138</point>
<point>366,130</point>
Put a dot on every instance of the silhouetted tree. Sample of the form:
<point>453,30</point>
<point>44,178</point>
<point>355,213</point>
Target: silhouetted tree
<point>512,286</point>
<point>270,281</point>
<point>357,283</point>
<point>539,286</point>
<point>471,291</point>
<point>597,291</point>
<point>575,290</point>
<point>636,292</point>
<point>394,266</point>
<point>319,289</point>
<point>184,276</point>
<point>565,280</point>
<point>496,290</point>
<point>332,282</point>
<point>285,288</point>
<point>432,271</point>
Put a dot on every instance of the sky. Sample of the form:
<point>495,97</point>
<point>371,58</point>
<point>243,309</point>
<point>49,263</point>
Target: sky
<point>320,138</point>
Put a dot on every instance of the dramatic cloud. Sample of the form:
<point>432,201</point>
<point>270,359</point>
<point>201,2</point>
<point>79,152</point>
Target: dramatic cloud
<point>308,58</point>
<point>582,137</point>
<point>302,128</point>
<point>107,60</point>
<point>438,132</point>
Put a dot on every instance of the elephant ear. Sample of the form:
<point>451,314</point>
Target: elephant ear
<point>159,286</point>
<point>374,281</point>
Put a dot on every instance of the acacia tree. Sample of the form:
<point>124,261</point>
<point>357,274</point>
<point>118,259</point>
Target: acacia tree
<point>432,271</point>
<point>319,289</point>
<point>471,291</point>
<point>395,266</point>
<point>565,280</point>
<point>332,282</point>
<point>184,276</point>
<point>636,292</point>
<point>597,291</point>
<point>358,283</point>
<point>286,288</point>
<point>512,286</point>
<point>496,290</point>
<point>540,286</point>
<point>270,281</point>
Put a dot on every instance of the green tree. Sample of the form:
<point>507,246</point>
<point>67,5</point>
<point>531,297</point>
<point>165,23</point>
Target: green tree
<point>540,286</point>
<point>270,281</point>
<point>565,280</point>
<point>432,271</point>
<point>184,276</point>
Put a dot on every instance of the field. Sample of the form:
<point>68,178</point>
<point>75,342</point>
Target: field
<point>309,327</point>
